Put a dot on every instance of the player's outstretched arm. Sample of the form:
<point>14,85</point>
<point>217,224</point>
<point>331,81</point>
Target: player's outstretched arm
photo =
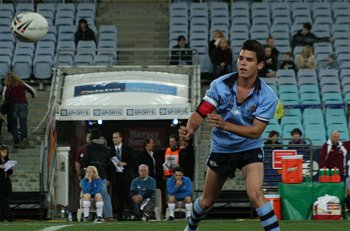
<point>193,124</point>
<point>251,132</point>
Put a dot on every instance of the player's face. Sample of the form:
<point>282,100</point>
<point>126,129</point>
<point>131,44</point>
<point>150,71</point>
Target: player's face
<point>173,143</point>
<point>247,64</point>
<point>143,172</point>
<point>89,173</point>
<point>117,139</point>
<point>3,153</point>
<point>178,175</point>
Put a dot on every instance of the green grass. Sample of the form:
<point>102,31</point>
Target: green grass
<point>209,225</point>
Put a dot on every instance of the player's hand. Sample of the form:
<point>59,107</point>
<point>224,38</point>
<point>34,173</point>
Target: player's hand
<point>178,183</point>
<point>185,133</point>
<point>215,120</point>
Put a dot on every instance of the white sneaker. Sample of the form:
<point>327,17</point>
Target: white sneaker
<point>99,220</point>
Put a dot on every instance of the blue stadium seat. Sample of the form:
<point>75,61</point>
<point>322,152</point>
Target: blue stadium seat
<point>5,65</point>
<point>309,98</point>
<point>85,6</point>
<point>42,66</point>
<point>22,66</point>
<point>64,60</point>
<point>7,7</point>
<point>42,7</point>
<point>24,7</point>
<point>103,60</point>
<point>66,7</point>
<point>83,60</point>
<point>332,98</point>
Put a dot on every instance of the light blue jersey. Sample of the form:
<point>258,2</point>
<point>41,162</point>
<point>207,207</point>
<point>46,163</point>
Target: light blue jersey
<point>260,104</point>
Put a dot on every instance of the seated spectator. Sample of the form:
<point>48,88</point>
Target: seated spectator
<point>305,37</point>
<point>274,51</point>
<point>333,153</point>
<point>296,135</point>
<point>288,63</point>
<point>269,69</point>
<point>84,33</point>
<point>91,186</point>
<point>181,53</point>
<point>331,62</point>
<point>222,59</point>
<point>214,43</point>
<point>143,194</point>
<point>276,144</point>
<point>179,188</point>
<point>306,59</point>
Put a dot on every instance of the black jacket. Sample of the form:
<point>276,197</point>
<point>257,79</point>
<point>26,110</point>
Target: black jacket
<point>5,181</point>
<point>186,161</point>
<point>299,39</point>
<point>88,35</point>
<point>178,56</point>
<point>97,154</point>
<point>128,156</point>
<point>144,158</point>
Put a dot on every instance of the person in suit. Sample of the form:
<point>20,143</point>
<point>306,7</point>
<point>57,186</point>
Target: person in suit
<point>186,158</point>
<point>123,158</point>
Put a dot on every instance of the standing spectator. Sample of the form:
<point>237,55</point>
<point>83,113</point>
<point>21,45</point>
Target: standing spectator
<point>91,186</point>
<point>222,59</point>
<point>306,59</point>
<point>15,91</point>
<point>214,43</point>
<point>181,53</point>
<point>186,158</point>
<point>305,37</point>
<point>6,187</point>
<point>333,153</point>
<point>81,152</point>
<point>143,194</point>
<point>171,157</point>
<point>297,134</point>
<point>269,69</point>
<point>84,33</point>
<point>270,41</point>
<point>332,62</point>
<point>123,174</point>
<point>288,63</point>
<point>179,188</point>
<point>97,154</point>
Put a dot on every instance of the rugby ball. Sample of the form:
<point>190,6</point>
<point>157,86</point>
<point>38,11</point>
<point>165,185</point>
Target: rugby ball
<point>29,27</point>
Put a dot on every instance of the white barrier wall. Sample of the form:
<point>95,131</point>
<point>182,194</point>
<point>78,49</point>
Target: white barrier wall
<point>126,95</point>
<point>62,177</point>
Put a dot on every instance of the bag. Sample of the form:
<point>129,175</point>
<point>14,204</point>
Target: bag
<point>5,107</point>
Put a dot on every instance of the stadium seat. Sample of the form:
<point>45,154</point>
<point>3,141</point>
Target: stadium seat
<point>332,98</point>
<point>22,66</point>
<point>5,65</point>
<point>83,60</point>
<point>7,7</point>
<point>42,66</point>
<point>104,60</point>
<point>85,6</point>
<point>24,7</point>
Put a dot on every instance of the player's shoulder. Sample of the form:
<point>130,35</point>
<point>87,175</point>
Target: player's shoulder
<point>267,90</point>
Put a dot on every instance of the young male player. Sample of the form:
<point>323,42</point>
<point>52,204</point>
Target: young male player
<point>238,106</point>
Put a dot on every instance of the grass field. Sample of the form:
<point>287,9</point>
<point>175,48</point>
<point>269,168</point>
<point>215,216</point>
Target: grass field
<point>209,225</point>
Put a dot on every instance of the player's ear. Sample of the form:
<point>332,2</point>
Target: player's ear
<point>261,65</point>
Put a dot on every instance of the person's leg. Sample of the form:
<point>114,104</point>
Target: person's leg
<point>171,207</point>
<point>136,210</point>
<point>14,119</point>
<point>107,204</point>
<point>188,206</point>
<point>86,206</point>
<point>148,210</point>
<point>254,175</point>
<point>99,205</point>
<point>212,188</point>
<point>22,115</point>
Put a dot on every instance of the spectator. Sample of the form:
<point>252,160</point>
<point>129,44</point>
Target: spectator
<point>123,174</point>
<point>91,186</point>
<point>15,92</point>
<point>288,63</point>
<point>274,52</point>
<point>171,157</point>
<point>275,144</point>
<point>333,153</point>
<point>296,134</point>
<point>332,62</point>
<point>214,43</point>
<point>80,154</point>
<point>84,33</point>
<point>306,59</point>
<point>97,154</point>
<point>143,194</point>
<point>222,59</point>
<point>179,188</point>
<point>6,187</point>
<point>269,69</point>
<point>181,53</point>
<point>186,158</point>
<point>305,37</point>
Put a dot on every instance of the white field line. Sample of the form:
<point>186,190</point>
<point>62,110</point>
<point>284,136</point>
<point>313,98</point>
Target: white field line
<point>53,228</point>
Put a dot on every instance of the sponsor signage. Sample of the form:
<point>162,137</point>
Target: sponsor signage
<point>277,157</point>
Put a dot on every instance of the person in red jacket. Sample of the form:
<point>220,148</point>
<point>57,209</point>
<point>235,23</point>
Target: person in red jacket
<point>333,153</point>
<point>15,92</point>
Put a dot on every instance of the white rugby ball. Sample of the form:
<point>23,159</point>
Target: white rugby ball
<point>29,27</point>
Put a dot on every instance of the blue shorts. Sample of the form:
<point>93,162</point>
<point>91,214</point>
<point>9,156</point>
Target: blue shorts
<point>225,164</point>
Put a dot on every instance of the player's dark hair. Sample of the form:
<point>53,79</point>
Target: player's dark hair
<point>255,46</point>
